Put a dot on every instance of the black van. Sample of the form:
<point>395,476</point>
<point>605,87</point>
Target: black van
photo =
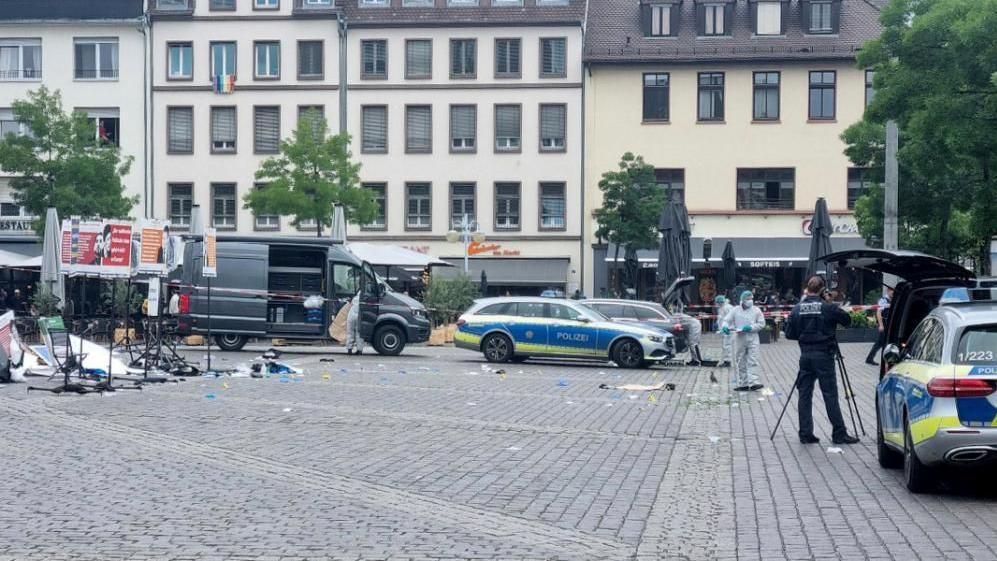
<point>262,283</point>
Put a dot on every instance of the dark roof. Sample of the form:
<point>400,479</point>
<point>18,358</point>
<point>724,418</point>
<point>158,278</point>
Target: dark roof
<point>69,9</point>
<point>613,34</point>
<point>484,14</point>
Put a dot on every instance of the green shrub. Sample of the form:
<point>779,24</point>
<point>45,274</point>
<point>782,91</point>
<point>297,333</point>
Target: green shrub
<point>448,298</point>
<point>860,320</point>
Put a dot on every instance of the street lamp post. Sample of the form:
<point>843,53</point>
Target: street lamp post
<point>468,232</point>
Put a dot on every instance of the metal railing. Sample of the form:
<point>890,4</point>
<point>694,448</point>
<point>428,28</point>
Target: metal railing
<point>21,74</point>
<point>95,74</point>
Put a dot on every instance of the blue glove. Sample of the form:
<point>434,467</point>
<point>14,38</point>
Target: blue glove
<point>725,329</point>
<point>746,329</point>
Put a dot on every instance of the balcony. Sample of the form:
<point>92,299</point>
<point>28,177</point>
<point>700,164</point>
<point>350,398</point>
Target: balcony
<point>307,7</point>
<point>20,74</point>
<point>171,7</point>
<point>96,74</point>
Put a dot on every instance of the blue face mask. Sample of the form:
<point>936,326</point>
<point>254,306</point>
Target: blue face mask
<point>746,304</point>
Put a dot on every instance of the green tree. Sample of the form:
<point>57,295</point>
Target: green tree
<point>448,298</point>
<point>61,163</point>
<point>934,64</point>
<point>313,172</point>
<point>631,206</point>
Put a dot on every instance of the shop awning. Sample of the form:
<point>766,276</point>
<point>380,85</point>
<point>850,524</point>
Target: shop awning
<point>750,252</point>
<point>21,255</point>
<point>396,256</point>
<point>512,271</point>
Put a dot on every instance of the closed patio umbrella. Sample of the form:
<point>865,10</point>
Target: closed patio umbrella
<point>820,240</point>
<point>728,275</point>
<point>669,252</point>
<point>51,246</point>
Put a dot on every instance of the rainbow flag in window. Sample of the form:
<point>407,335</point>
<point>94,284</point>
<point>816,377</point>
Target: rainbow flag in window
<point>224,83</point>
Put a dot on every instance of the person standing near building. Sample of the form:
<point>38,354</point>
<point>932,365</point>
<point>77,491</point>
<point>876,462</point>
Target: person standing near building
<point>882,314</point>
<point>727,339</point>
<point>813,322</point>
<point>354,342</point>
<point>746,320</point>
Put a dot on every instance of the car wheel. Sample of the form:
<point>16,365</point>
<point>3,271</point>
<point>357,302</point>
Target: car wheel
<point>230,342</point>
<point>888,457</point>
<point>917,476</point>
<point>389,340</point>
<point>628,354</point>
<point>497,348</point>
<point>519,358</point>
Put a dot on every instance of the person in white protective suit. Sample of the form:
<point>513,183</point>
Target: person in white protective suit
<point>354,342</point>
<point>746,321</point>
<point>727,339</point>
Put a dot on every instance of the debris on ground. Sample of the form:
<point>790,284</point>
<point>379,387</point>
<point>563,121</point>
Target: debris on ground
<point>834,450</point>
<point>562,383</point>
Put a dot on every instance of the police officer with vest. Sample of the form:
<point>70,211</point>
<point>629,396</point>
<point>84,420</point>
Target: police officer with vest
<point>813,322</point>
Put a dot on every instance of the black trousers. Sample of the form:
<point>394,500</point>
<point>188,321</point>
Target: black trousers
<point>817,365</point>
<point>879,344</point>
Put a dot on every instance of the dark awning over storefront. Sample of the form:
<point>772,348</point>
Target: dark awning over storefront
<point>511,271</point>
<point>759,253</point>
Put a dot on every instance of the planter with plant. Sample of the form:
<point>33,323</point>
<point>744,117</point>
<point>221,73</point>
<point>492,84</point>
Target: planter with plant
<point>862,330</point>
<point>446,299</point>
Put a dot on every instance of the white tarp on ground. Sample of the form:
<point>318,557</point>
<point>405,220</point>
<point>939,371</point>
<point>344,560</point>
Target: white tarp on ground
<point>396,256</point>
<point>95,357</point>
<point>12,259</point>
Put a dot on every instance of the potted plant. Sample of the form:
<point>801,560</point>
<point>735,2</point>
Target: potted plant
<point>862,330</point>
<point>765,335</point>
<point>446,299</point>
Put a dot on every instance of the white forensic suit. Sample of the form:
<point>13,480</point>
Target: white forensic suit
<point>354,342</point>
<point>727,339</point>
<point>745,323</point>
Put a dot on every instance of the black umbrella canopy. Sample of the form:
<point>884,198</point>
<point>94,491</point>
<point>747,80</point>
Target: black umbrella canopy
<point>820,240</point>
<point>728,276</point>
<point>484,283</point>
<point>670,250</point>
<point>685,238</point>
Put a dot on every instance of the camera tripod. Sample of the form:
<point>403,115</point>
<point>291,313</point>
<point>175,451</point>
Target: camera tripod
<point>846,383</point>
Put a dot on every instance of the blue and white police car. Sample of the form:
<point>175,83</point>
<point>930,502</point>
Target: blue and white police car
<point>515,329</point>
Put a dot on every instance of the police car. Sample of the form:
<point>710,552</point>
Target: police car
<point>936,401</point>
<point>515,329</point>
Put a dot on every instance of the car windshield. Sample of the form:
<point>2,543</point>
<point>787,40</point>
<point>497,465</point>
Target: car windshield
<point>978,345</point>
<point>593,314</point>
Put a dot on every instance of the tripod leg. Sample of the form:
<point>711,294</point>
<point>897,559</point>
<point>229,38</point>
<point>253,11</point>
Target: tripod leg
<point>848,394</point>
<point>785,405</point>
<point>852,405</point>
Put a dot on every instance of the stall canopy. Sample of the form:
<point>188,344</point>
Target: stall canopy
<point>509,271</point>
<point>750,252</point>
<point>394,256</point>
<point>24,256</point>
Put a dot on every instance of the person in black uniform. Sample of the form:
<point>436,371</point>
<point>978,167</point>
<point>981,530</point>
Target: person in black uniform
<point>812,322</point>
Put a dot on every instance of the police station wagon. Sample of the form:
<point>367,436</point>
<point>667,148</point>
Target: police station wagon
<point>515,329</point>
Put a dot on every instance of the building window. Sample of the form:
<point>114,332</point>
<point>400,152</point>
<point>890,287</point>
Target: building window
<point>418,129</point>
<point>766,94</point>
<point>552,57</point>
<point>375,59</point>
<point>418,206</point>
<point>712,19</point>
<point>417,3</point>
<point>656,96</point>
<point>859,182</point>
<point>223,206</point>
<point>180,130</point>
<point>223,130</point>
<point>821,16</point>
<point>265,221</point>
<point>711,96</point>
<point>672,181</point>
<point>266,4</point>
<point>552,2</point>
<point>870,91</point>
<point>768,18</point>
<point>20,59</point>
<point>266,129</point>
<point>507,64</point>
<point>657,20</point>
<point>508,135</point>
<point>96,59</point>
<point>172,5</point>
<point>106,124</point>
<point>222,5</point>
<point>463,128</point>
<point>8,125</point>
<point>553,122</point>
<point>460,3</point>
<point>463,58</point>
<point>316,113</point>
<point>180,61</point>
<point>507,2</point>
<point>181,203</point>
<point>766,189</point>
<point>379,190</point>
<point>552,206</point>
<point>311,60</point>
<point>267,60</point>
<point>822,95</point>
<point>375,2</point>
<point>418,58</point>
<point>223,59</point>
<point>507,206</point>
<point>461,203</point>
<point>374,129</point>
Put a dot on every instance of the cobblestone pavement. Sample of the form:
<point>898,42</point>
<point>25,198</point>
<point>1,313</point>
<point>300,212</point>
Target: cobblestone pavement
<point>429,456</point>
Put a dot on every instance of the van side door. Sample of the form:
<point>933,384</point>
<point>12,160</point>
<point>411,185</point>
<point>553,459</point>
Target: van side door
<point>238,293</point>
<point>370,300</point>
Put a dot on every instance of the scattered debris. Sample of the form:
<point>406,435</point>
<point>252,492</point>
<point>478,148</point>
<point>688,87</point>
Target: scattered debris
<point>562,383</point>
<point>327,360</point>
<point>768,392</point>
<point>326,377</point>
<point>713,378</point>
<point>287,410</point>
<point>471,403</point>
<point>514,448</point>
<point>714,439</point>
<point>834,450</point>
<point>209,396</point>
<point>651,398</point>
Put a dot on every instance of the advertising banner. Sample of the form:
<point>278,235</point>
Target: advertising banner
<point>114,246</point>
<point>153,241</point>
<point>209,263</point>
<point>96,248</point>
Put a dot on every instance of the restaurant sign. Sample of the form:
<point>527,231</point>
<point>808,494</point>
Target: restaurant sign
<point>17,224</point>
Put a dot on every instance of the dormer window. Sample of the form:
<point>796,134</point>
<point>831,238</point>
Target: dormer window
<point>821,17</point>
<point>659,19</point>
<point>767,16</point>
<point>714,18</point>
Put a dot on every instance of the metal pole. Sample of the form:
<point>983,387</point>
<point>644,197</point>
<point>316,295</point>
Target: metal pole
<point>465,236</point>
<point>207,340</point>
<point>891,237</point>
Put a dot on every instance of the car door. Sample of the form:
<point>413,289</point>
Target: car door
<point>893,388</point>
<point>529,327</point>
<point>370,298</point>
<point>569,332</point>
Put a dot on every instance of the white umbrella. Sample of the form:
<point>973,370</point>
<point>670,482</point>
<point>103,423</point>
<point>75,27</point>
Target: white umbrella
<point>338,224</point>
<point>51,247</point>
<point>196,221</point>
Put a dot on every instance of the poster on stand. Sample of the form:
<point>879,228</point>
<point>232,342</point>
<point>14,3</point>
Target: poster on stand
<point>114,245</point>
<point>153,297</point>
<point>209,263</point>
<point>79,247</point>
<point>153,245</point>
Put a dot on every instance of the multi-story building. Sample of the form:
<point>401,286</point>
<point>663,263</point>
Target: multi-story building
<point>230,79</point>
<point>472,108</point>
<point>93,53</point>
<point>739,105</point>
